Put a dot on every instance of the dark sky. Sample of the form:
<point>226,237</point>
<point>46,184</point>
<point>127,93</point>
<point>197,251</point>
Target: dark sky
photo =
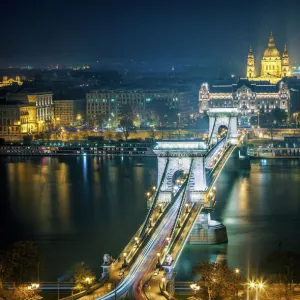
<point>187,31</point>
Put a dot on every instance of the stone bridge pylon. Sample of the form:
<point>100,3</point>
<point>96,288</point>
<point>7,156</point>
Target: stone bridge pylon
<point>219,117</point>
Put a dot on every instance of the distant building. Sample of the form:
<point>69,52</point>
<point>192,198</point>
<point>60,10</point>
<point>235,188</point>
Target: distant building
<point>69,112</point>
<point>273,66</point>
<point>249,96</point>
<point>10,119</point>
<point>44,107</point>
<point>107,104</point>
<point>28,119</point>
<point>10,81</point>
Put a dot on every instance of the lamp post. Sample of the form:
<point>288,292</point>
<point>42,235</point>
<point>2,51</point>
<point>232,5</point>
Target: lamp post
<point>160,208</point>
<point>186,208</point>
<point>125,262</point>
<point>195,288</point>
<point>158,260</point>
<point>136,241</point>
<point>236,290</point>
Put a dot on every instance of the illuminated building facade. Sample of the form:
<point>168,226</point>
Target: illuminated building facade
<point>248,96</point>
<point>28,119</point>
<point>44,108</point>
<point>10,81</point>
<point>273,66</point>
<point>68,112</point>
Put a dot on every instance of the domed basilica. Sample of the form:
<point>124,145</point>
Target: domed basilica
<point>273,66</point>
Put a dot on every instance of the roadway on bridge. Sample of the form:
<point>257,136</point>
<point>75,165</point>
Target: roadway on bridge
<point>147,257</point>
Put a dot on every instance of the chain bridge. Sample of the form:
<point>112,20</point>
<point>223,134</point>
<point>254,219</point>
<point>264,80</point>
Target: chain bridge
<point>179,210</point>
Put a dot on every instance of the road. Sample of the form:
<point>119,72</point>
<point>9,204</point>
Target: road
<point>146,258</point>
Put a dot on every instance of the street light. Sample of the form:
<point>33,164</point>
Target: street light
<point>195,287</point>
<point>237,272</point>
<point>186,208</point>
<point>33,286</point>
<point>88,280</point>
<point>257,286</point>
<point>136,241</point>
<point>160,208</point>
<point>158,260</point>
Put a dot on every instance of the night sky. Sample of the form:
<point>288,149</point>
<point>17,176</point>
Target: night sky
<point>195,32</point>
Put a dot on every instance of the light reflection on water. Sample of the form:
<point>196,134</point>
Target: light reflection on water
<point>75,208</point>
<point>259,207</point>
<point>78,208</point>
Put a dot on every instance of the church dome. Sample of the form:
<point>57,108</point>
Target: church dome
<point>271,51</point>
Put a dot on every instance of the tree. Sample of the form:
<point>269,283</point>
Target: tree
<point>285,266</point>
<point>83,277</point>
<point>42,136</point>
<point>17,264</point>
<point>164,111</point>
<point>126,123</point>
<point>119,135</point>
<point>108,135</point>
<point>271,132</point>
<point>218,281</point>
<point>20,292</point>
<point>21,260</point>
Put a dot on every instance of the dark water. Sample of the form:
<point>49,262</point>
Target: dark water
<point>75,209</point>
<point>78,208</point>
<point>259,207</point>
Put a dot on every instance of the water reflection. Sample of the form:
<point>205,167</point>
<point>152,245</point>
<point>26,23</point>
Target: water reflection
<point>259,208</point>
<point>74,208</point>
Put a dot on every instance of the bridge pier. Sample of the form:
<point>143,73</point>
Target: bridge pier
<point>169,279</point>
<point>207,231</point>
<point>106,266</point>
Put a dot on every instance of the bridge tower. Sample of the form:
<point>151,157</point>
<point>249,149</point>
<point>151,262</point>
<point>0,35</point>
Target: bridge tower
<point>189,156</point>
<point>181,155</point>
<point>223,116</point>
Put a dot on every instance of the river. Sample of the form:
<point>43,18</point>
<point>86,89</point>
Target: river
<point>77,209</point>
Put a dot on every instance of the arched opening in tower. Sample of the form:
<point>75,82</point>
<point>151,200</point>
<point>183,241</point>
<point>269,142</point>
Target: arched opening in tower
<point>222,131</point>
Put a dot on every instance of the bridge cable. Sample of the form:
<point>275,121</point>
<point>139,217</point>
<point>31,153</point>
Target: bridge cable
<point>181,204</point>
<point>154,201</point>
<point>209,140</point>
<point>228,130</point>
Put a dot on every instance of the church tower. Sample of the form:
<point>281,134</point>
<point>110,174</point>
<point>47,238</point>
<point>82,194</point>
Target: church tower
<point>250,64</point>
<point>285,64</point>
<point>271,61</point>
